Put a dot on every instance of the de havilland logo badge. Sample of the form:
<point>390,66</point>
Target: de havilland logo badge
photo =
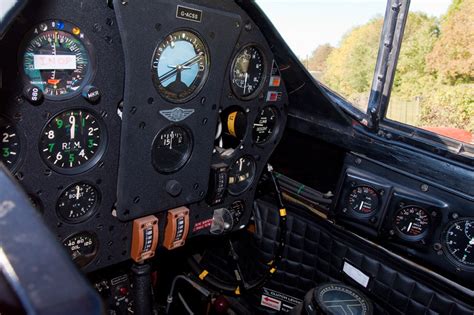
<point>177,114</point>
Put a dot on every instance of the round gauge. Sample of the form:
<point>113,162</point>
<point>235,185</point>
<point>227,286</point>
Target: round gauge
<point>264,125</point>
<point>77,203</point>
<point>82,247</point>
<point>459,242</point>
<point>248,70</point>
<point>241,175</point>
<point>9,144</point>
<point>180,66</point>
<point>364,200</point>
<point>57,58</point>
<point>72,142</point>
<point>237,209</point>
<point>412,222</point>
<point>172,148</point>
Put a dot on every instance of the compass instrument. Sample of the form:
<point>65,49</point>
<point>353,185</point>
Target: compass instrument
<point>57,58</point>
<point>180,66</point>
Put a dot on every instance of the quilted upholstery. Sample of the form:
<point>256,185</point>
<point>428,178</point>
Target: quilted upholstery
<point>315,255</point>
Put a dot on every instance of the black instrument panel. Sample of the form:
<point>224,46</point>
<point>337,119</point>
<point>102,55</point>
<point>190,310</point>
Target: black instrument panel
<point>99,132</point>
<point>422,221</point>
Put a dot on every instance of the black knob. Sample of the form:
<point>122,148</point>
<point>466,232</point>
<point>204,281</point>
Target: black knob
<point>174,188</point>
<point>91,94</point>
<point>33,94</point>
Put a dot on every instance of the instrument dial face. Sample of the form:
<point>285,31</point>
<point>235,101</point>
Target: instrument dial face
<point>241,175</point>
<point>180,66</point>
<point>237,209</point>
<point>58,59</point>
<point>264,125</point>
<point>412,223</point>
<point>248,70</point>
<point>171,149</point>
<point>9,144</point>
<point>78,202</point>
<point>82,247</point>
<point>72,142</point>
<point>364,200</point>
<point>459,242</point>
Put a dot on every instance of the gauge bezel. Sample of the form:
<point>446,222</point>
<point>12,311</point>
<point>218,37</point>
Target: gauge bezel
<point>264,72</point>
<point>453,260</point>
<point>364,215</point>
<point>68,26</point>
<point>22,138</point>
<point>156,82</point>
<point>184,160</point>
<point>411,238</point>
<point>249,181</point>
<point>275,131</point>
<point>96,246</point>
<point>92,162</point>
<point>87,216</point>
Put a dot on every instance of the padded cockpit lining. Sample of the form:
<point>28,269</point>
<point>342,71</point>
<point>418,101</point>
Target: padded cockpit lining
<point>315,253</point>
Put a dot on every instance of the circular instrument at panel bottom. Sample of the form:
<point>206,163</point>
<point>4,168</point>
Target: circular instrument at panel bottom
<point>364,201</point>
<point>412,223</point>
<point>248,72</point>
<point>172,149</point>
<point>264,125</point>
<point>82,247</point>
<point>10,145</point>
<point>241,175</point>
<point>72,142</point>
<point>458,241</point>
<point>57,58</point>
<point>78,203</point>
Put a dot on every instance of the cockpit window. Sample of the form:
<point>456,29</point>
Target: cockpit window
<point>336,40</point>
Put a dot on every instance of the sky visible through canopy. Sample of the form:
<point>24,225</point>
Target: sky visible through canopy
<point>306,24</point>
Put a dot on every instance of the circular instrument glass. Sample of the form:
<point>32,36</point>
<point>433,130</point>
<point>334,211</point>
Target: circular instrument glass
<point>72,142</point>
<point>264,125</point>
<point>57,58</point>
<point>180,66</point>
<point>248,70</point>
<point>364,200</point>
<point>241,175</point>
<point>412,223</point>
<point>459,242</point>
<point>9,144</point>
<point>77,203</point>
<point>82,247</point>
<point>237,209</point>
<point>172,148</point>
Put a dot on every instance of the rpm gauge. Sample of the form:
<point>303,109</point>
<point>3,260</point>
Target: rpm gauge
<point>72,142</point>
<point>9,144</point>
<point>241,175</point>
<point>172,148</point>
<point>364,200</point>
<point>264,125</point>
<point>180,66</point>
<point>459,242</point>
<point>77,203</point>
<point>412,223</point>
<point>82,247</point>
<point>248,70</point>
<point>57,58</point>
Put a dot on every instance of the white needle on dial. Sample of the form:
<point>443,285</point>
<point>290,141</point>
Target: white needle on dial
<point>73,128</point>
<point>361,205</point>
<point>78,192</point>
<point>409,226</point>
<point>240,165</point>
<point>245,82</point>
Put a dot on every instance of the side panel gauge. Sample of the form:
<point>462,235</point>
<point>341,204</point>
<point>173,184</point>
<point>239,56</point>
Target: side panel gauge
<point>72,142</point>
<point>459,242</point>
<point>180,66</point>
<point>172,148</point>
<point>9,144</point>
<point>364,200</point>
<point>248,72</point>
<point>264,125</point>
<point>82,247</point>
<point>237,209</point>
<point>77,203</point>
<point>241,175</point>
<point>57,58</point>
<point>412,223</point>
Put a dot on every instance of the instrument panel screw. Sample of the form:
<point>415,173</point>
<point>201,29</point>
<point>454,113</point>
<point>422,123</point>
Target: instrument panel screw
<point>437,246</point>
<point>434,213</point>
<point>358,161</point>
<point>237,24</point>
<point>424,188</point>
<point>124,2</point>
<point>248,27</point>
<point>391,232</point>
<point>455,216</point>
<point>344,210</point>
